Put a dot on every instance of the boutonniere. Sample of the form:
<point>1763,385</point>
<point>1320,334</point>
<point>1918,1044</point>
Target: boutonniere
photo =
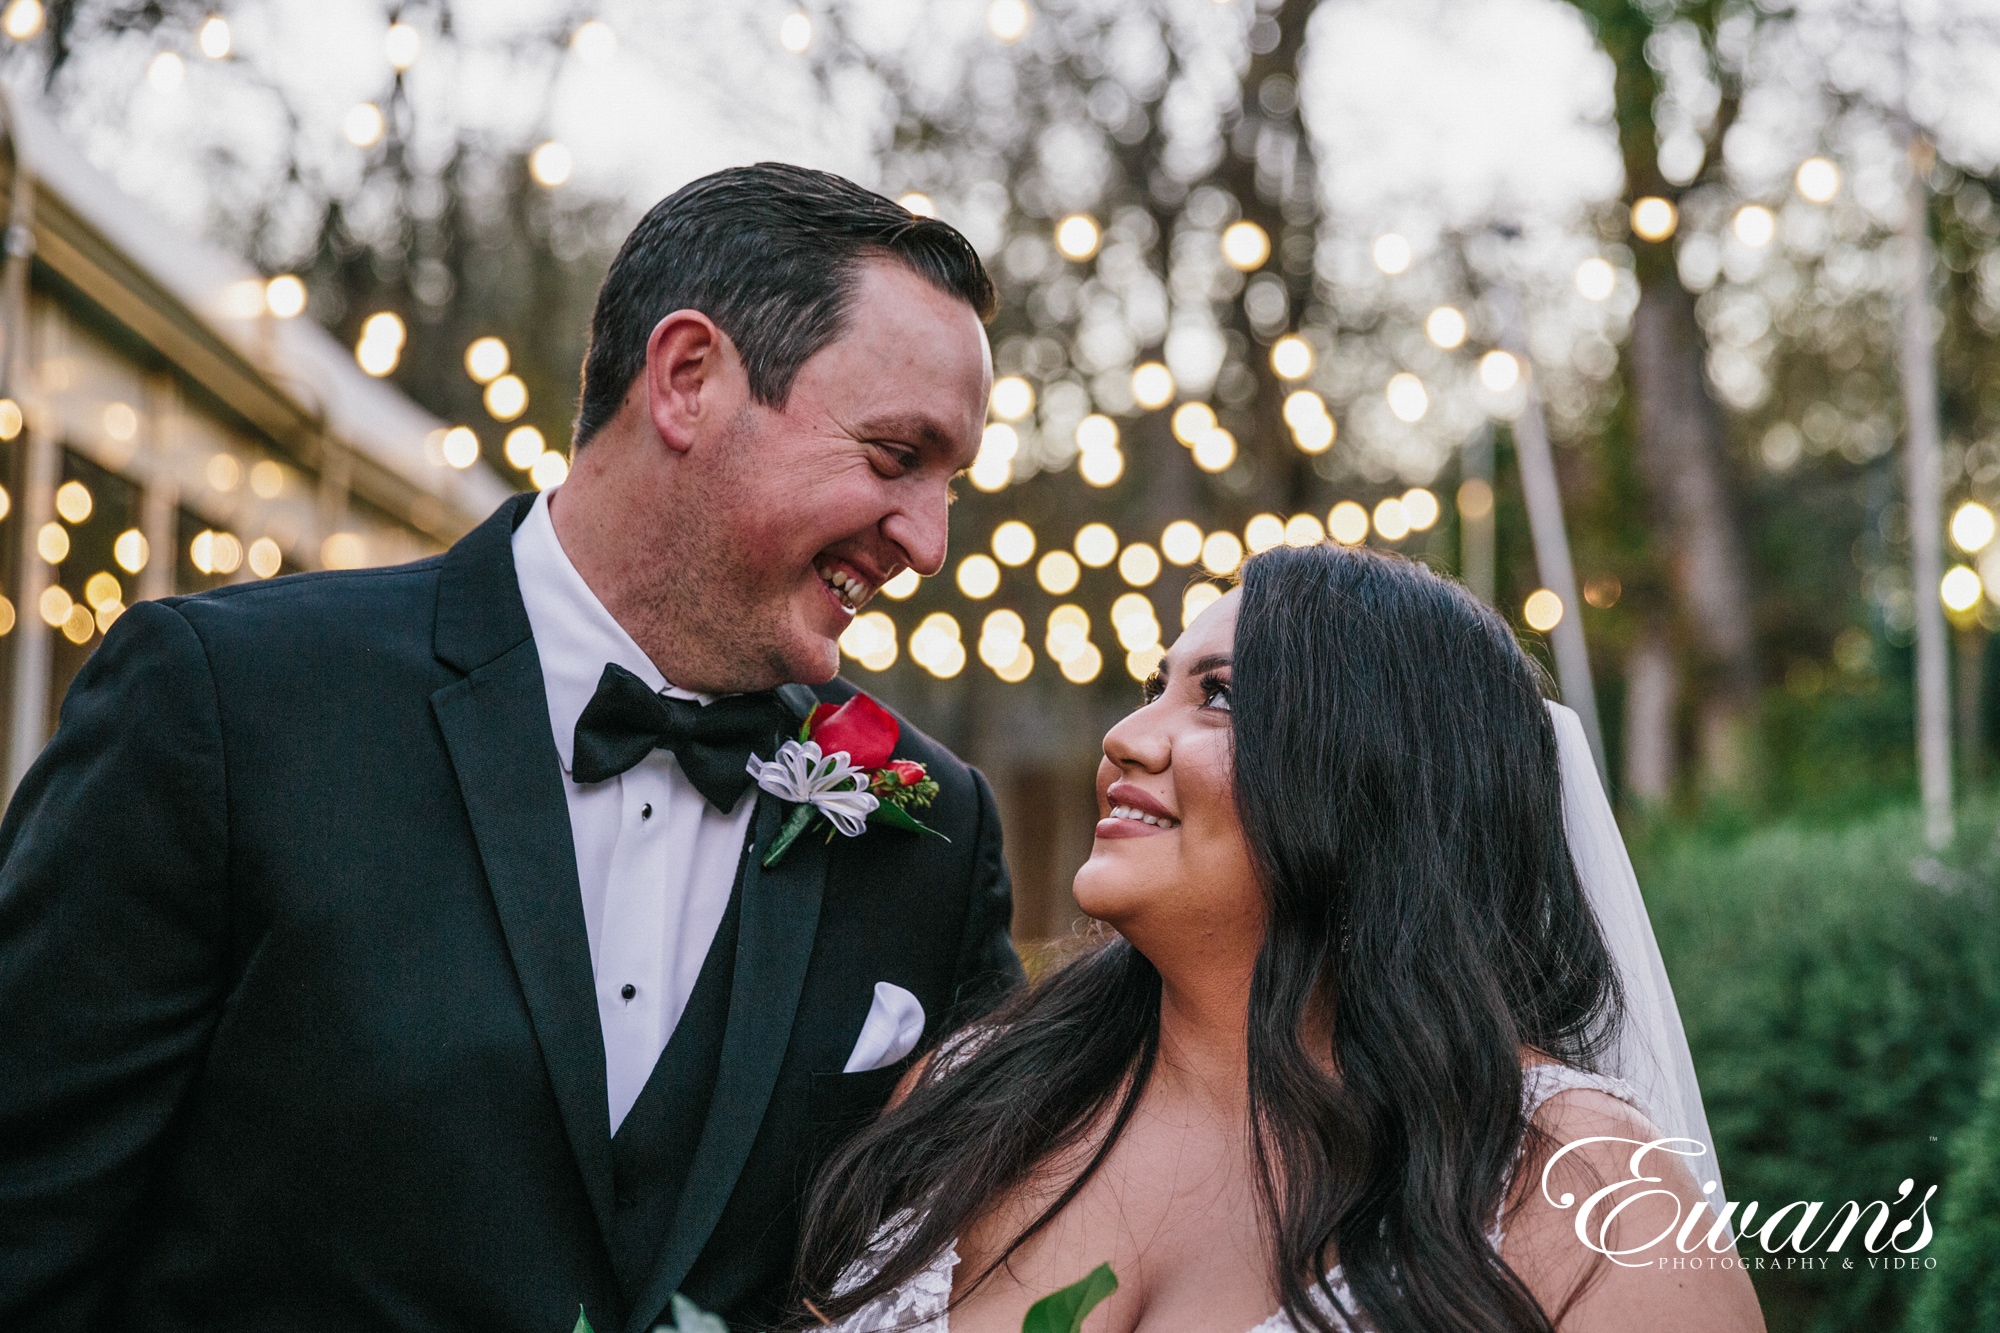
<point>839,770</point>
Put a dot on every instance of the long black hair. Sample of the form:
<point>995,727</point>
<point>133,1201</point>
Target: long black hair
<point>1397,782</point>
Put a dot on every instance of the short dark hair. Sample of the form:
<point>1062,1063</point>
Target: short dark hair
<point>770,253</point>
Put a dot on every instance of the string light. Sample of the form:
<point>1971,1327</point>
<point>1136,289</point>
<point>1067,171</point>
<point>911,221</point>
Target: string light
<point>1077,237</point>
<point>1653,219</point>
<point>1596,279</point>
<point>1475,499</point>
<point>1221,553</point>
<point>131,551</point>
<point>1407,398</point>
<point>224,472</point>
<point>1347,523</point>
<point>401,44</point>
<point>11,419</point>
<point>1304,530</point>
<point>1181,542</point>
<point>1135,623</point>
<point>1191,421</point>
<point>902,585</point>
<point>1152,385</point>
<point>73,501</point>
<point>1196,600</point>
<point>1291,357</point>
<point>101,589</point>
<point>22,20</point>
<point>1818,180</point>
<point>1245,246</point>
<point>524,445</point>
<point>795,34</point>
<point>550,164</point>
<point>1096,545</point>
<point>264,558</point>
<point>506,398</point>
<point>1972,527</point>
<point>381,343</point>
<point>1543,610</point>
<point>363,125</point>
<point>594,41</point>
<point>1312,428</point>
<point>52,543</point>
<point>166,73</point>
<point>1754,226</point>
<point>285,296</point>
<point>1264,532</point>
<point>1960,589</point>
<point>1420,509</point>
<point>935,645</point>
<point>486,360</point>
<point>343,550</point>
<point>1139,565</point>
<point>267,479</point>
<point>978,576</point>
<point>1008,20</point>
<point>1014,542</point>
<point>1391,253</point>
<point>1445,327</point>
<point>121,423</point>
<point>993,467</point>
<point>1058,573</point>
<point>461,447</point>
<point>549,471</point>
<point>918,204</point>
<point>1215,450</point>
<point>1499,371</point>
<point>1392,522</point>
<point>56,604</point>
<point>1012,398</point>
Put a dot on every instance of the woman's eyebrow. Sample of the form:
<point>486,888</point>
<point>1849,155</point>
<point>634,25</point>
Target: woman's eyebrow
<point>1213,662</point>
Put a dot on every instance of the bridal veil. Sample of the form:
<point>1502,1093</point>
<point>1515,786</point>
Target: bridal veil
<point>1651,1052</point>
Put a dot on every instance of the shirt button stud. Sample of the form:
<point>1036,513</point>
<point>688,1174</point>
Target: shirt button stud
<point>646,810</point>
<point>628,990</point>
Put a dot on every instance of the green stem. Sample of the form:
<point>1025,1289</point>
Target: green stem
<point>795,824</point>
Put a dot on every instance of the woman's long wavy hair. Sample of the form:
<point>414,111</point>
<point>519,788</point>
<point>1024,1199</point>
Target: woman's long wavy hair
<point>1396,778</point>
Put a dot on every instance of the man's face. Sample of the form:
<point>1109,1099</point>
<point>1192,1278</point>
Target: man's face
<point>813,507</point>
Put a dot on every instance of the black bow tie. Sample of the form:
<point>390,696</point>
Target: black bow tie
<point>624,722</point>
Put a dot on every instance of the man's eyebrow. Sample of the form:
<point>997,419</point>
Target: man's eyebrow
<point>913,427</point>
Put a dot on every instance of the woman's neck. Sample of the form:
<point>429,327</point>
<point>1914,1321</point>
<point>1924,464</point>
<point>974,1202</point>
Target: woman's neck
<point>1204,1036</point>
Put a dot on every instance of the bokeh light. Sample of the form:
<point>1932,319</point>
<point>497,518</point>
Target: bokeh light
<point>1013,542</point>
<point>1543,610</point>
<point>1347,523</point>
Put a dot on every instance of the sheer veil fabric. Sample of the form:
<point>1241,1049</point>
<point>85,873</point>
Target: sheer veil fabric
<point>1651,1053</point>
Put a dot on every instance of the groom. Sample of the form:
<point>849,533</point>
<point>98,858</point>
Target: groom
<point>392,950</point>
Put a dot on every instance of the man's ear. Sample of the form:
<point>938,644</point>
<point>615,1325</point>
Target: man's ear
<point>689,363</point>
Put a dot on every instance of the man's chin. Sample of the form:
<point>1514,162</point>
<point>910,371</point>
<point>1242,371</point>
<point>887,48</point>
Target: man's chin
<point>811,660</point>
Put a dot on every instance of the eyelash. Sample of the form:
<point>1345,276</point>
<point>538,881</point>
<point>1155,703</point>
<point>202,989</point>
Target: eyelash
<point>1211,685</point>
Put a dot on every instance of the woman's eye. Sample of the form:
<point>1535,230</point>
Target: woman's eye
<point>1215,694</point>
<point>1152,688</point>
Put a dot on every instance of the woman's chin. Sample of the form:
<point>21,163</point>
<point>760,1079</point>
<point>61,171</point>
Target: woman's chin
<point>1106,890</point>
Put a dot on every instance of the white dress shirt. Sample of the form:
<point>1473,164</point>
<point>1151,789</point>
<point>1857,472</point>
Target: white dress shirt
<point>655,861</point>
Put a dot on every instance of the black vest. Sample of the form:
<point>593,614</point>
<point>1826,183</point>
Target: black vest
<point>654,1147</point>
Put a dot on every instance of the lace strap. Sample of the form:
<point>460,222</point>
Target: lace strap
<point>1541,1082</point>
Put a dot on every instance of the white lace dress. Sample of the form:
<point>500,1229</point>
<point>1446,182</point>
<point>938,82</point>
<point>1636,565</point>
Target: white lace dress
<point>919,1305</point>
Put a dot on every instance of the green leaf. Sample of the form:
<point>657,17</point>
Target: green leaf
<point>897,817</point>
<point>582,1322</point>
<point>1063,1312</point>
<point>691,1318</point>
<point>795,824</point>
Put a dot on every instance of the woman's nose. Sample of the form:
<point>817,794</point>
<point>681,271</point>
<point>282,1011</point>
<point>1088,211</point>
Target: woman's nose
<point>1138,740</point>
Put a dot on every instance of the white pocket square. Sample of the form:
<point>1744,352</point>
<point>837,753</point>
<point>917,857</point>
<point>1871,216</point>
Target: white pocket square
<point>895,1025</point>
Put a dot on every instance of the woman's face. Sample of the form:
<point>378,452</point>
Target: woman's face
<point>1170,868</point>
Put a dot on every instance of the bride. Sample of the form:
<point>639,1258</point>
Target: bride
<point>1355,1000</point>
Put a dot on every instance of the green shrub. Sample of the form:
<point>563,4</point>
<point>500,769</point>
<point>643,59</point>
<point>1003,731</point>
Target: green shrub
<point>1839,987</point>
<point>1962,1294</point>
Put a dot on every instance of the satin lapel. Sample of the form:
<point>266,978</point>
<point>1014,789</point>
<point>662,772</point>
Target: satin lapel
<point>496,728</point>
<point>780,919</point>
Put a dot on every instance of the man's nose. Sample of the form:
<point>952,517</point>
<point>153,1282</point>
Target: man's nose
<point>919,530</point>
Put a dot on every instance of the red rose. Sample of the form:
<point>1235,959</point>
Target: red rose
<point>908,771</point>
<point>862,727</point>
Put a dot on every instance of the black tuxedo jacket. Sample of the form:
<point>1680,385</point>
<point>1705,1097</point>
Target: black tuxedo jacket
<point>297,1025</point>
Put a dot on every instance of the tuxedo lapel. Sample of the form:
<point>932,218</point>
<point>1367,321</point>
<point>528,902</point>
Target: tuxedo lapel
<point>496,729</point>
<point>780,918</point>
